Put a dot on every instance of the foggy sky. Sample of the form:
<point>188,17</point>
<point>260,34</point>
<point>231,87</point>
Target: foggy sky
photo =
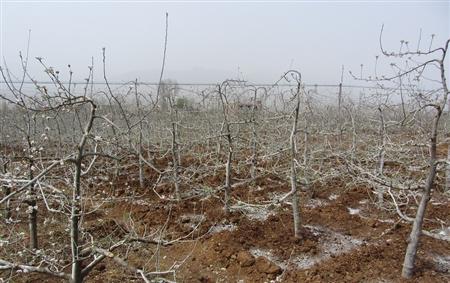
<point>210,42</point>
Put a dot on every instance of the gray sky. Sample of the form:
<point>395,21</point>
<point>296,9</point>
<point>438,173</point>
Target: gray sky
<point>209,42</point>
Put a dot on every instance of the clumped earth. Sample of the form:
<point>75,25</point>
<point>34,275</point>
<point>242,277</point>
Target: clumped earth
<point>345,237</point>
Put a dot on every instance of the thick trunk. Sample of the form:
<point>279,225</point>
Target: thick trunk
<point>76,276</point>
<point>76,211</point>
<point>32,223</point>
<point>414,238</point>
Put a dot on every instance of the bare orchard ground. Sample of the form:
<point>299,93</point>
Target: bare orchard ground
<point>345,237</point>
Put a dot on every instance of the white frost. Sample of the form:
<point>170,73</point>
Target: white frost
<point>353,211</point>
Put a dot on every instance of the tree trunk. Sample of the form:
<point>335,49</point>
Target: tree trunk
<point>381,153</point>
<point>295,201</point>
<point>32,222</point>
<point>74,224</point>
<point>32,211</point>
<point>411,250</point>
<point>414,238</point>
<point>74,238</point>
<point>228,168</point>
<point>76,211</point>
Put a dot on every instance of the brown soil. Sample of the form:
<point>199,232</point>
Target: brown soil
<point>233,247</point>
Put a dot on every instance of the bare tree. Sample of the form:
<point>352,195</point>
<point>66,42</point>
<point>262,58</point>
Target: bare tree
<point>415,67</point>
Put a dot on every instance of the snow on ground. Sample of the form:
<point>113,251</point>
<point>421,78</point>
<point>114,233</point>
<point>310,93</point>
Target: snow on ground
<point>442,262</point>
<point>331,243</point>
<point>353,211</point>
<point>222,227</point>
<point>254,212</point>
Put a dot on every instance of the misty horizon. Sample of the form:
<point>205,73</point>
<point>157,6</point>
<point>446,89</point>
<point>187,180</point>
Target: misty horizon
<point>211,42</point>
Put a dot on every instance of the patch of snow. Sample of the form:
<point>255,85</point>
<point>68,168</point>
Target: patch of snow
<point>314,230</point>
<point>260,213</point>
<point>140,202</point>
<point>363,201</point>
<point>442,263</point>
<point>386,220</point>
<point>331,244</point>
<point>258,189</point>
<point>353,211</point>
<point>222,227</point>
<point>445,232</point>
<point>333,197</point>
